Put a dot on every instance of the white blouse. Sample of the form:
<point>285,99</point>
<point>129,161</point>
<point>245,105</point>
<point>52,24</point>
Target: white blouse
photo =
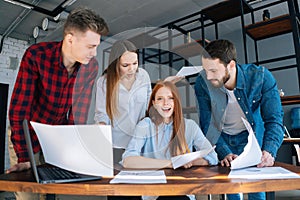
<point>132,103</point>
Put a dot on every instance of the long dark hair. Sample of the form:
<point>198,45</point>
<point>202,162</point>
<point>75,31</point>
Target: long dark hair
<point>113,76</point>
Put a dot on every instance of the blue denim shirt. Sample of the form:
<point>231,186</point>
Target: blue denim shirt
<point>257,94</point>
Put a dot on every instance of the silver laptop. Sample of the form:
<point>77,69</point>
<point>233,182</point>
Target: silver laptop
<point>49,173</point>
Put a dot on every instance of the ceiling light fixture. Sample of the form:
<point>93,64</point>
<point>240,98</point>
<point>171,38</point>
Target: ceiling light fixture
<point>251,2</point>
<point>38,32</point>
<point>67,3</point>
<point>22,4</point>
<point>48,24</point>
<point>61,16</point>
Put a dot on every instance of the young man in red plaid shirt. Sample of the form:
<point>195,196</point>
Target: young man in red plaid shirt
<point>55,81</point>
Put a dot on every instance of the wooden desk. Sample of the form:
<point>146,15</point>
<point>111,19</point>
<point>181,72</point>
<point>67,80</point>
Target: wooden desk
<point>197,180</point>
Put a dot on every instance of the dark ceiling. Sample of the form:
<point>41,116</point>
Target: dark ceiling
<point>121,15</point>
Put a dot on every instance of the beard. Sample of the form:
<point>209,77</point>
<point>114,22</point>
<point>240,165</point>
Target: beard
<point>220,83</point>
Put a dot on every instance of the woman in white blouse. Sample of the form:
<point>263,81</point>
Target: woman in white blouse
<point>123,93</point>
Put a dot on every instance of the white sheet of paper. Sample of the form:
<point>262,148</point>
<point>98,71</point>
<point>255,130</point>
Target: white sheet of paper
<point>252,153</point>
<point>190,70</point>
<point>262,173</point>
<point>178,161</point>
<point>140,176</point>
<point>85,149</point>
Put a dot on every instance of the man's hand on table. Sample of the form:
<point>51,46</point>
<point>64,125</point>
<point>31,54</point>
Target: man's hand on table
<point>226,161</point>
<point>19,167</point>
<point>267,160</point>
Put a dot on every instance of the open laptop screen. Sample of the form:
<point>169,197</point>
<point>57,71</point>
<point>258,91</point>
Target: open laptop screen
<point>85,149</point>
<point>51,174</point>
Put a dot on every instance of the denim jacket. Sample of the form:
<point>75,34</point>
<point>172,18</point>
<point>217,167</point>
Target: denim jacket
<point>257,94</point>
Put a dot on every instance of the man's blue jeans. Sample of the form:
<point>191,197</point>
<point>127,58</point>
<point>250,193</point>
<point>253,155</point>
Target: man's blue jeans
<point>237,143</point>
<point>251,196</point>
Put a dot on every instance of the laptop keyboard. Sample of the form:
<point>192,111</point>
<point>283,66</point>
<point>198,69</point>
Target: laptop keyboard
<point>54,173</point>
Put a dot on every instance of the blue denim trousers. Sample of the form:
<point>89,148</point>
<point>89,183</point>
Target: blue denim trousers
<point>236,143</point>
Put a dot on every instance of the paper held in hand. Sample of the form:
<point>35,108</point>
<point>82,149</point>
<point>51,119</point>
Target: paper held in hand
<point>178,161</point>
<point>189,70</point>
<point>252,153</point>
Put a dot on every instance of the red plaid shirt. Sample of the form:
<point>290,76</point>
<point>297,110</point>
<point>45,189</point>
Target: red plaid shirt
<point>44,92</point>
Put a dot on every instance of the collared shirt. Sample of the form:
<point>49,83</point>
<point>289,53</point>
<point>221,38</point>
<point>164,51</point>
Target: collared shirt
<point>132,106</point>
<point>44,92</point>
<point>150,143</point>
<point>257,94</point>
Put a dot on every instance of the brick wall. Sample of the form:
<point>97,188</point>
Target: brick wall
<point>10,57</point>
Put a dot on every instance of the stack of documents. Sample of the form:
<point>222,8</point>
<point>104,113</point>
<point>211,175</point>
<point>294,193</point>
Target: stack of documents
<point>262,173</point>
<point>241,167</point>
<point>149,176</point>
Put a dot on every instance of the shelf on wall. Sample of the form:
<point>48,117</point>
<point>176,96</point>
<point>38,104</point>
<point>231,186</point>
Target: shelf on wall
<point>143,40</point>
<point>189,49</point>
<point>290,100</point>
<point>269,28</point>
<point>291,140</point>
<point>226,10</point>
